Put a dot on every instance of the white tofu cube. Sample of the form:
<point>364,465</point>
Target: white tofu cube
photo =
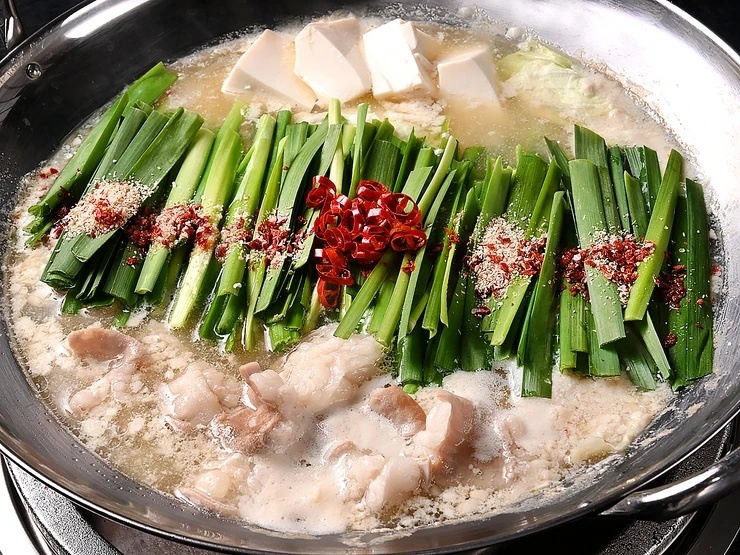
<point>267,65</point>
<point>419,41</point>
<point>328,57</point>
<point>397,67</point>
<point>470,74</point>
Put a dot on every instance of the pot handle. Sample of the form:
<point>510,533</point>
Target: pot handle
<point>12,28</point>
<point>685,496</point>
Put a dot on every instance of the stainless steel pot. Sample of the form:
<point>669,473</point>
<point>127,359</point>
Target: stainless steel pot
<point>56,78</point>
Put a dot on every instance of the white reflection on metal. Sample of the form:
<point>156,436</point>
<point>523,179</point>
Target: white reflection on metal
<point>88,23</point>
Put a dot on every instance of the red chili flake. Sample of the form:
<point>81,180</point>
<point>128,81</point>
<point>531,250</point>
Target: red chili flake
<point>132,261</point>
<point>502,253</point>
<point>716,269</point>
<point>59,221</point>
<point>177,224</point>
<point>616,256</point>
<point>480,311</point>
<point>698,325</point>
<point>106,215</point>
<point>700,302</point>
<point>409,267</point>
<point>53,171</point>
<point>670,340</point>
<point>206,236</point>
<point>233,234</point>
<point>452,237</point>
<point>140,228</point>
<point>274,241</point>
<point>43,175</point>
<point>671,286</point>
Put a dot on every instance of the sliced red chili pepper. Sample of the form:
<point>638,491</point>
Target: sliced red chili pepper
<point>380,216</point>
<point>365,254</point>
<point>402,207</point>
<point>333,256</point>
<point>370,190</point>
<point>338,237</point>
<point>332,274</point>
<point>323,192</point>
<point>325,221</point>
<point>353,221</point>
<point>339,204</point>
<point>405,238</point>
<point>328,294</point>
<point>375,236</point>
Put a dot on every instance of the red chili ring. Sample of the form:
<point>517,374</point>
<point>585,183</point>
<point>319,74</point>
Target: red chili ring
<point>370,190</point>
<point>328,293</point>
<point>405,239</point>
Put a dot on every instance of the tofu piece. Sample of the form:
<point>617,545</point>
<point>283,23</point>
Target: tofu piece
<point>328,57</point>
<point>470,74</point>
<point>420,42</point>
<point>267,66</point>
<point>395,55</point>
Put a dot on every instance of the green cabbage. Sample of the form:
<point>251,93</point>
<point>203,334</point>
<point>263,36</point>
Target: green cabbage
<point>540,77</point>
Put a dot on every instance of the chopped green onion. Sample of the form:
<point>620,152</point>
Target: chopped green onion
<point>659,233</point>
<point>537,358</point>
<point>692,353</point>
<point>590,220</point>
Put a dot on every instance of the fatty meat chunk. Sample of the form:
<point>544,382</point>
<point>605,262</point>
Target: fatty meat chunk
<point>216,488</point>
<point>400,477</point>
<point>100,344</point>
<point>119,356</point>
<point>90,397</point>
<point>196,397</point>
<point>400,408</point>
<point>448,433</point>
<point>354,468</point>
<point>247,429</point>
<point>326,370</point>
<point>246,370</point>
<point>267,385</point>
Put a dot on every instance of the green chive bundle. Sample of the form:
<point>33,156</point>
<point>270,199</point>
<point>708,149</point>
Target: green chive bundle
<point>432,308</point>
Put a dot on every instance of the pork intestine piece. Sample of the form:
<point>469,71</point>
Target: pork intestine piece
<point>448,434</point>
<point>118,356</point>
<point>192,400</point>
<point>327,370</point>
<point>281,408</point>
<point>400,408</point>
<point>217,486</point>
<point>246,430</point>
<point>435,451</point>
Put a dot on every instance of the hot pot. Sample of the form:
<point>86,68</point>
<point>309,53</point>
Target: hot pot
<point>53,80</point>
